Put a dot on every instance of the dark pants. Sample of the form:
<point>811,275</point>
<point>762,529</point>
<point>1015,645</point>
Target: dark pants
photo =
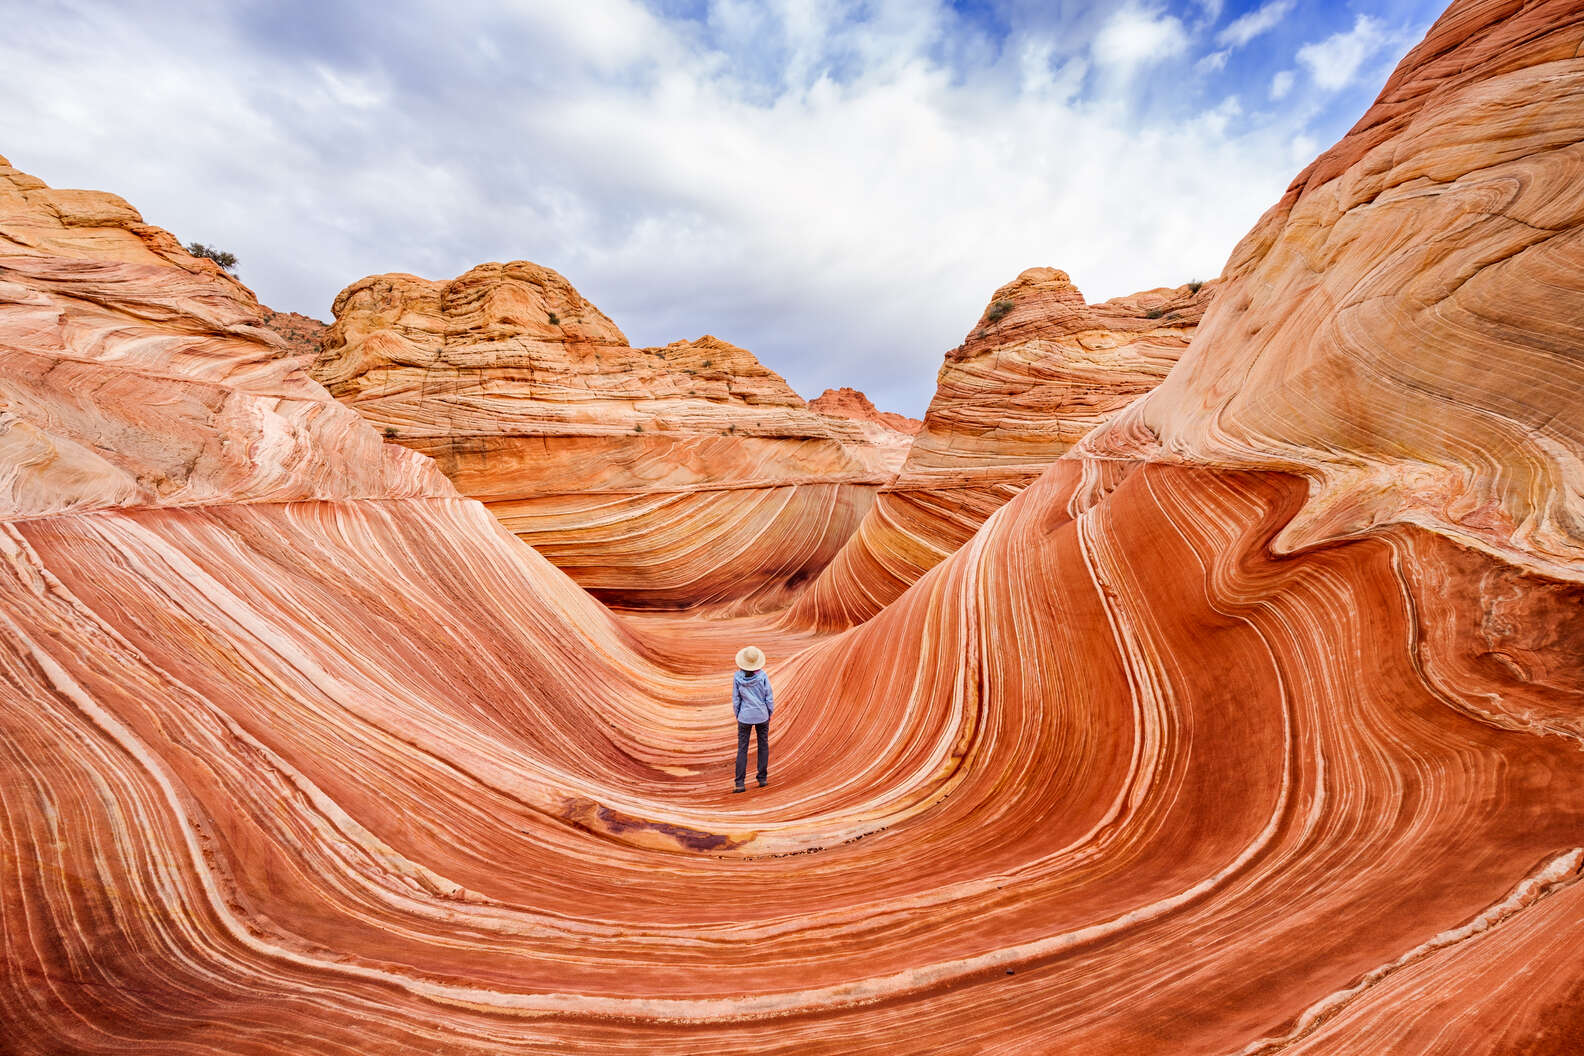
<point>763,729</point>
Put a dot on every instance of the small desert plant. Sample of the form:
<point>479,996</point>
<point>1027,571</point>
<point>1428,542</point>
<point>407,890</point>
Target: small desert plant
<point>555,320</point>
<point>1154,313</point>
<point>390,432</point>
<point>707,363</point>
<point>1194,285</point>
<point>228,261</point>
<point>998,311</point>
<point>638,428</point>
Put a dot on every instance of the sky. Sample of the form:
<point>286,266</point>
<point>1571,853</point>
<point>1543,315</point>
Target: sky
<point>838,187</point>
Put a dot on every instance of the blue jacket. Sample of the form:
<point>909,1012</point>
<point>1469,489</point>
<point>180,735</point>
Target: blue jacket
<point>752,699</point>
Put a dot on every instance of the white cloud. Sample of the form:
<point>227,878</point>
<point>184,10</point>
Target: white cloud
<point>1212,8</point>
<point>1213,62</point>
<point>828,193</point>
<point>1335,61</point>
<point>1303,149</point>
<point>1216,120</point>
<point>1135,36</point>
<point>1250,25</point>
<point>1281,84</point>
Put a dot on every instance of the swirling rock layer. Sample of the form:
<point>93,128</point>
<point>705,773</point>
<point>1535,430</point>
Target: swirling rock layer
<point>1417,379</point>
<point>137,375</point>
<point>1040,370</point>
<point>306,753</point>
<point>659,477</point>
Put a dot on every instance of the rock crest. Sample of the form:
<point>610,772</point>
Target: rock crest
<point>1039,370</point>
<point>656,477</point>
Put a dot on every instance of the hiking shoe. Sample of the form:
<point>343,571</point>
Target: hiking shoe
<point>763,781</point>
<point>738,788</point>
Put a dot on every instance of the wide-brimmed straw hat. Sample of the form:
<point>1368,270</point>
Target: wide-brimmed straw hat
<point>750,658</point>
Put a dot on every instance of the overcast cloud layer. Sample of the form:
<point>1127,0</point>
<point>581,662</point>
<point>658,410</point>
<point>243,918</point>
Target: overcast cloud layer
<point>839,187</point>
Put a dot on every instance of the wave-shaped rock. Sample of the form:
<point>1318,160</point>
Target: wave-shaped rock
<point>1431,381</point>
<point>313,757</point>
<point>138,375</point>
<point>1039,370</point>
<point>656,477</point>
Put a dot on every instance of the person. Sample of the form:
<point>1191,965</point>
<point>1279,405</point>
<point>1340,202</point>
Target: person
<point>753,703</point>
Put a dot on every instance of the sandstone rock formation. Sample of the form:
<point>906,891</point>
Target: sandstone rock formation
<point>303,334</point>
<point>306,755</point>
<point>848,402</point>
<point>1410,379</point>
<point>88,426</point>
<point>878,439</point>
<point>656,477</point>
<point>1039,370</point>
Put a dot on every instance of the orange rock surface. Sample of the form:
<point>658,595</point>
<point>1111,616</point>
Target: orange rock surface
<point>850,403</point>
<point>656,477</point>
<point>303,334</point>
<point>1411,379</point>
<point>1039,370</point>
<point>877,439</point>
<point>184,418</point>
<point>302,752</point>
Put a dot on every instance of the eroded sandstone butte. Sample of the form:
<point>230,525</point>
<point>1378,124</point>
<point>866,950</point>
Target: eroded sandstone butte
<point>1039,370</point>
<point>847,402</point>
<point>878,439</point>
<point>300,756</point>
<point>656,477</point>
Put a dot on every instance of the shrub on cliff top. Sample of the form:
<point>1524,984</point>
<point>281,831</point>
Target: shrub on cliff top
<point>998,310</point>
<point>228,261</point>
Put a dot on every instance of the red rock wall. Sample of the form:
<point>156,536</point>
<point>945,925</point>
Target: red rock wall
<point>303,335</point>
<point>1404,327</point>
<point>667,477</point>
<point>1039,371</point>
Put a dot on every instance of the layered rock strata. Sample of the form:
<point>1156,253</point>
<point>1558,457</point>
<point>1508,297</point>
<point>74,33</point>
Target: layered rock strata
<point>1039,370</point>
<point>1411,379</point>
<point>355,772</point>
<point>848,402</point>
<point>184,421</point>
<point>656,477</point>
<point>878,439</point>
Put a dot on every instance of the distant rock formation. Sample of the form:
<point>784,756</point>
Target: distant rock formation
<point>878,439</point>
<point>1039,370</point>
<point>303,334</point>
<point>656,477</point>
<point>850,403</point>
